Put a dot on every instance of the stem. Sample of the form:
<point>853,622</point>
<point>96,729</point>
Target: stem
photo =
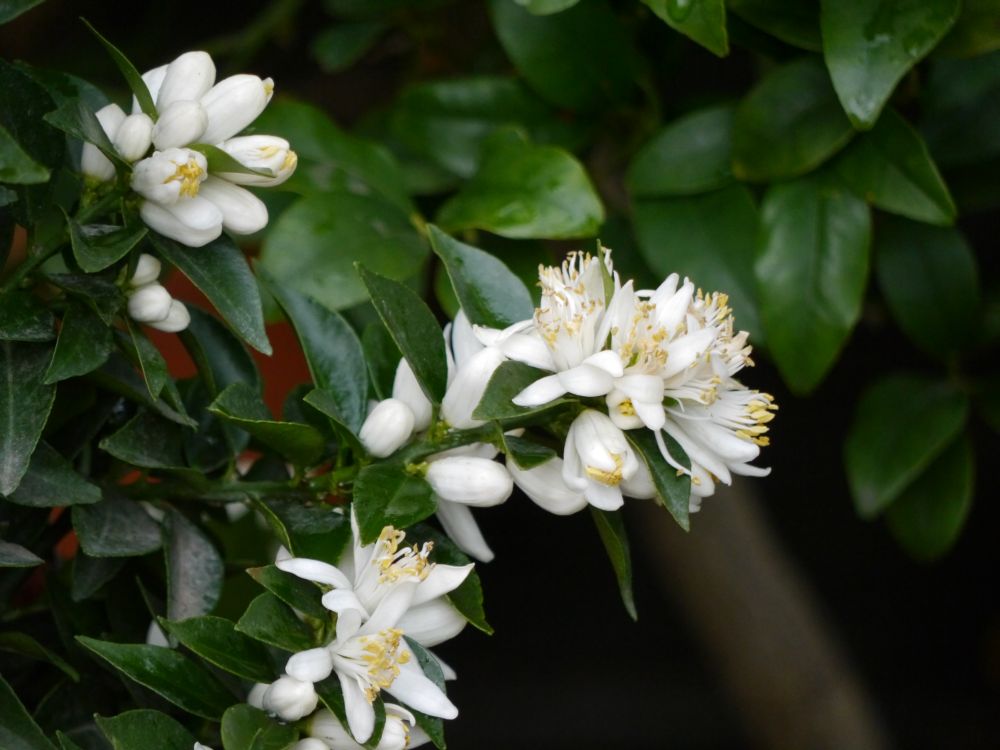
<point>29,265</point>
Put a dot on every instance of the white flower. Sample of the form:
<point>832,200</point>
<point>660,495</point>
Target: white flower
<point>92,162</point>
<point>470,480</point>
<point>597,459</point>
<point>147,270</point>
<point>399,732</point>
<point>155,635</point>
<point>181,123</point>
<point>544,484</point>
<point>233,103</point>
<point>467,387</point>
<point>134,137</point>
<point>242,211</point>
<point>387,428</point>
<point>263,153</point>
<point>167,176</point>
<point>187,78</point>
<point>406,389</point>
<point>149,303</point>
<point>310,743</point>
<point>290,699</point>
<point>194,222</point>
<point>256,695</point>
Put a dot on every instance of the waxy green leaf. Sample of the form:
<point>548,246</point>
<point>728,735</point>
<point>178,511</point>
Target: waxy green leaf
<point>15,556</point>
<point>226,359</point>
<point>11,9</point>
<point>16,167</point>
<point>338,47</point>
<point>24,318</point>
<point>247,728</point>
<point>673,488</point>
<point>468,597</point>
<point>51,482</point>
<point>144,354</point>
<point>151,442</point>
<point>217,641</point>
<point>433,726</point>
<point>386,495</point>
<point>611,528</point>
<point>136,730</point>
<point>25,402</point>
<point>271,621</point>
<point>18,731</point>
<point>509,379</point>
<point>75,118</point>
<point>24,645</point>
<point>97,246</point>
<point>292,590</point>
<point>115,527</point>
<point>795,23</point>
<point>526,453</point>
<point>128,70</point>
<point>84,344</point>
<point>90,574</point>
<point>704,21</point>
<point>194,568</point>
<point>100,293</point>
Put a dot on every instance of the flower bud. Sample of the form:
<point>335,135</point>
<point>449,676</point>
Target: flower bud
<point>597,459</point>
<point>188,78</point>
<point>155,635</point>
<point>387,427</point>
<point>266,153</point>
<point>396,735</point>
<point>464,343</point>
<point>134,137</point>
<point>405,388</point>
<point>310,743</point>
<point>153,80</point>
<point>467,388</point>
<point>194,222</point>
<point>312,665</point>
<point>640,485</point>
<point>181,123</point>
<point>178,318</point>
<point>479,482</point>
<point>233,103</point>
<point>545,485</point>
<point>290,699</point>
<point>149,303</point>
<point>92,162</point>
<point>256,695</point>
<point>242,211</point>
<point>147,270</point>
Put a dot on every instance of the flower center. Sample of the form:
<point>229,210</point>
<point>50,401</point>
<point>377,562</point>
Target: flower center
<point>610,478</point>
<point>190,175</point>
<point>382,656</point>
<point>396,564</point>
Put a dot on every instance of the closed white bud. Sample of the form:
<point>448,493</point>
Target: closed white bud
<point>153,79</point>
<point>147,270</point>
<point>188,77</point>
<point>405,388</point>
<point>387,428</point>
<point>398,733</point>
<point>290,699</point>
<point>479,482</point>
<point>545,485</point>
<point>167,176</point>
<point>149,304</point>
<point>194,222</point>
<point>242,211</point>
<point>312,665</point>
<point>233,103</point>
<point>155,635</point>
<point>134,137</point>
<point>266,153</point>
<point>640,485</point>
<point>467,388</point>
<point>178,318</point>
<point>256,695</point>
<point>92,162</point>
<point>310,743</point>
<point>181,123</point>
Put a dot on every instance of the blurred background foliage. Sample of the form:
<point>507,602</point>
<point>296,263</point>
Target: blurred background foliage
<point>832,165</point>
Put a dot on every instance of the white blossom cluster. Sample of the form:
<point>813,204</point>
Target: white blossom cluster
<point>150,303</point>
<point>181,199</point>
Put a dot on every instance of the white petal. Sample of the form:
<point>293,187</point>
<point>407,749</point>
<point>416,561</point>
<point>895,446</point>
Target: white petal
<point>433,622</point>
<point>416,691</point>
<point>541,392</point>
<point>405,388</point>
<point>147,270</point>
<point>314,570</point>
<point>180,124</point>
<point>545,485</point>
<point>387,428</point>
<point>194,222</point>
<point>604,497</point>
<point>608,361</point>
<point>242,211</point>
<point>187,78</point>
<point>232,104</point>
<point>478,482</point>
<point>312,665</point>
<point>639,485</point>
<point>464,344</point>
<point>393,606</point>
<point>178,318</point>
<point>134,137</point>
<point>441,580</point>
<point>153,80</point>
<point>360,714</point>
<point>586,380</point>
<point>466,389</point>
<point>459,524</point>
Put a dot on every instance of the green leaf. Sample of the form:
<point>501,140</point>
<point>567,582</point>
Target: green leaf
<point>468,597</point>
<point>75,118</point>
<point>382,357</point>
<point>25,402</point>
<point>15,556</point>
<point>217,641</point>
<point>26,102</point>
<point>795,23</point>
<point>332,350</point>
<point>433,726</point>
<point>490,293</point>
<point>226,358</point>
<point>97,246</point>
<point>509,379</point>
<point>526,453</point>
<point>414,329</point>
<point>673,488</point>
<point>292,590</point>
<point>338,47</point>
<point>168,673</point>
<point>100,293</point>
<point>323,402</point>
<point>556,53</point>
<point>708,238</point>
<point>976,31</point>
<point>24,318</point>
<point>545,7</point>
<point>144,354</point>
<point>194,568</point>
<point>704,21</point>
<point>812,267</point>
<point>523,190</point>
<point>247,728</point>
<point>332,696</point>
<point>91,573</point>
<point>221,272</point>
<point>385,495</point>
<point>789,124</point>
<point>690,155</point>
<point>929,279</point>
<point>869,45</point>
<point>269,620</point>
<point>11,9</point>
<point>611,528</point>
<point>18,731</point>
<point>128,70</point>
<point>902,423</point>
<point>84,344</point>
<point>135,730</point>
<point>927,518</point>
<point>65,742</point>
<point>891,168</point>
<point>51,482</point>
<point>115,527</point>
<point>151,442</point>
<point>24,645</point>
<point>297,249</point>
<point>16,167</point>
<point>220,162</point>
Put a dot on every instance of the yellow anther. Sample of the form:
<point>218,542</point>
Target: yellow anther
<point>610,478</point>
<point>190,177</point>
<point>626,408</point>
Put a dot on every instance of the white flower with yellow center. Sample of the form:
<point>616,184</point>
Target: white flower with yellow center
<point>598,459</point>
<point>400,731</point>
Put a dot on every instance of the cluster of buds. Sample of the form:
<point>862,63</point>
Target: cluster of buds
<point>149,302</point>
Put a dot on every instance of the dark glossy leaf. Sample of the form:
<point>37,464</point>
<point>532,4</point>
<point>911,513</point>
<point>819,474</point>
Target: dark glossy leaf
<point>902,423</point>
<point>976,32</point>
<point>708,238</point>
<point>545,7</point>
<point>97,246</point>
<point>84,344</point>
<point>332,696</point>
<point>269,620</point>
<point>146,357</point>
<point>789,124</point>
<point>525,453</point>
<point>611,528</point>
<point>332,349</point>
<point>75,118</point>
<point>221,162</point>
<point>52,482</point>
<point>25,402</point>
<point>339,47</point>
<point>704,21</point>
<point>15,556</point>
<point>141,728</point>
<point>247,728</point>
<point>523,190</point>
<point>151,442</point>
<point>324,403</point>
<point>128,70</point>
<point>26,102</point>
<point>18,731</point>
<point>870,44</point>
<point>292,590</point>
<point>118,377</point>
<point>221,272</point>
<point>11,9</point>
<point>891,168</point>
<point>382,357</point>
<point>490,293</point>
<point>690,155</point>
<point>812,267</point>
<point>795,23</point>
<point>555,53</point>
<point>929,279</point>
<point>91,573</point>
<point>168,673</point>
<point>100,293</point>
<point>385,495</point>
<point>115,527</point>
<point>194,569</point>
<point>16,167</point>
<point>467,598</point>
<point>217,641</point>
<point>24,318</point>
<point>225,358</point>
<point>509,379</point>
<point>673,489</point>
<point>24,645</point>
<point>414,329</point>
<point>433,726</point>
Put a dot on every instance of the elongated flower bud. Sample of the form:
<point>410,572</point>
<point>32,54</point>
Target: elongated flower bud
<point>233,103</point>
<point>181,123</point>
<point>312,665</point>
<point>398,733</point>
<point>266,153</point>
<point>545,485</point>
<point>467,388</point>
<point>147,270</point>
<point>187,78</point>
<point>153,80</point>
<point>134,137</point>
<point>92,162</point>
<point>479,482</point>
<point>310,743</point>
<point>167,176</point>
<point>178,318</point>
<point>387,428</point>
<point>242,211</point>
<point>256,695</point>
<point>290,699</point>
<point>149,304</point>
<point>405,388</point>
<point>194,222</point>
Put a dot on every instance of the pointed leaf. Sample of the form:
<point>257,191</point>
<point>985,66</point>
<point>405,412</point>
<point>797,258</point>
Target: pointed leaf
<point>24,318</point>
<point>704,21</point>
<point>217,641</point>
<point>526,453</point>
<point>144,354</point>
<point>795,23</point>
<point>25,402</point>
<point>24,645</point>
<point>509,379</point>
<point>84,344</point>
<point>385,495</point>
<point>16,167</point>
<point>468,597</point>
<point>382,357</point>
<point>227,360</point>
<point>134,730</point>
<point>152,442</point>
<point>194,569</point>
<point>15,556</point>
<point>433,726</point>
<point>97,246</point>
<point>128,70</point>
<point>292,590</point>
<point>247,728</point>
<point>91,573</point>
<point>100,293</point>
<point>611,528</point>
<point>18,731</point>
<point>673,488</point>
<point>115,527</point>
<point>271,621</point>
<point>52,482</point>
<point>75,118</point>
